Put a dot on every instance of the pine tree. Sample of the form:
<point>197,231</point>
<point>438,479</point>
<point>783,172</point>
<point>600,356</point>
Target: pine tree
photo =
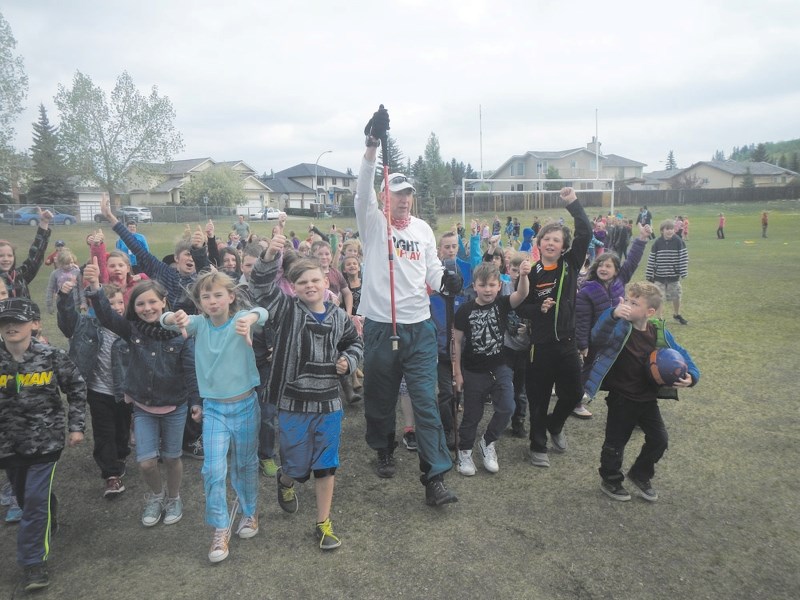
<point>719,155</point>
<point>748,181</point>
<point>795,164</point>
<point>671,163</point>
<point>395,159</point>
<point>51,185</point>
<point>759,154</point>
<point>783,162</point>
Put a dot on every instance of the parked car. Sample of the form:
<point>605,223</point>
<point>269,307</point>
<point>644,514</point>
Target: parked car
<point>140,214</point>
<point>28,215</point>
<point>269,213</point>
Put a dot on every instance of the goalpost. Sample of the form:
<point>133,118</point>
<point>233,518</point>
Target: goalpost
<point>533,192</point>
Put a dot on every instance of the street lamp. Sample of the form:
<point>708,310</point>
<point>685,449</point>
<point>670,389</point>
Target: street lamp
<point>316,164</point>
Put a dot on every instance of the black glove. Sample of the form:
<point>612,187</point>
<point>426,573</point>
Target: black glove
<point>452,282</point>
<point>378,125</point>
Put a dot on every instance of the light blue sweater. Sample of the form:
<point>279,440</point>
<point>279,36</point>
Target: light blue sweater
<point>224,363</point>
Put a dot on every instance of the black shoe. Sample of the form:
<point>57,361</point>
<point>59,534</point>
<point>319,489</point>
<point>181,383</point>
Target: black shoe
<point>645,488</point>
<point>386,467</point>
<point>35,577</point>
<point>195,449</point>
<point>287,495</point>
<point>410,441</point>
<point>436,493</point>
<point>614,489</point>
<point>680,319</point>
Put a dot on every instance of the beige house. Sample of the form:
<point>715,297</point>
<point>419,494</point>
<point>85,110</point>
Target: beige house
<point>577,163</point>
<point>161,184</point>
<point>715,174</point>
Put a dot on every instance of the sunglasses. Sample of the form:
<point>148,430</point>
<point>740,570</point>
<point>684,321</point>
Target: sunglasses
<point>398,179</point>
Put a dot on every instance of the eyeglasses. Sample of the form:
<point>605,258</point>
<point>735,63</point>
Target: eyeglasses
<point>398,179</point>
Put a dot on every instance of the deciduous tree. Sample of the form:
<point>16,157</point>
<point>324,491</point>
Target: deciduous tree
<point>221,185</point>
<point>103,137</point>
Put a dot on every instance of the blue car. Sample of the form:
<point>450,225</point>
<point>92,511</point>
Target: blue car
<point>27,215</point>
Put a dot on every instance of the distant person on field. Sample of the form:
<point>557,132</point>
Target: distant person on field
<point>625,336</point>
<point>242,228</point>
<point>721,227</point>
<point>667,264</point>
<point>764,224</point>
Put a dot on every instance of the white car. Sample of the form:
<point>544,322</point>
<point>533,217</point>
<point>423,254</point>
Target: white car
<point>269,213</point>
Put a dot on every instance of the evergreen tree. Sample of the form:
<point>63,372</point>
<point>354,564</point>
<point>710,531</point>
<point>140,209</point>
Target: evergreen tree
<point>783,162</point>
<point>748,181</point>
<point>51,183</point>
<point>395,159</point>
<point>719,155</point>
<point>552,173</point>
<point>437,180</point>
<point>759,154</point>
<point>469,172</point>
<point>794,165</point>
<point>671,162</point>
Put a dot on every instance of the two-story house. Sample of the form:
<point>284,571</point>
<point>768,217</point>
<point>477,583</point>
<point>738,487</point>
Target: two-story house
<point>575,163</point>
<point>302,185</point>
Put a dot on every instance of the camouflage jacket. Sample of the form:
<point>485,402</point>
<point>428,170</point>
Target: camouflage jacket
<point>32,417</point>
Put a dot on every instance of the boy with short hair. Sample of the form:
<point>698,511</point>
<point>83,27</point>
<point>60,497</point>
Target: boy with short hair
<point>32,423</point>
<point>480,364</point>
<point>667,264</point>
<point>315,343</point>
<point>625,336</point>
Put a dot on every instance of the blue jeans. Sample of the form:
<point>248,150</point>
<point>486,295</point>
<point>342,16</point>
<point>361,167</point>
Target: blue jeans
<point>416,360</point>
<point>159,435</point>
<point>230,425</point>
<point>477,386</point>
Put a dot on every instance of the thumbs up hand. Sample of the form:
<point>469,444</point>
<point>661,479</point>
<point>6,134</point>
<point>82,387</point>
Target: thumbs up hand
<point>198,238</point>
<point>91,274</point>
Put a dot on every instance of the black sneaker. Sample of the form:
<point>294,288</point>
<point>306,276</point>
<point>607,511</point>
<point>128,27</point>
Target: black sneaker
<point>436,493</point>
<point>410,441</point>
<point>35,577</point>
<point>615,490</point>
<point>195,449</point>
<point>645,490</point>
<point>680,319</point>
<point>386,467</point>
<point>287,496</point>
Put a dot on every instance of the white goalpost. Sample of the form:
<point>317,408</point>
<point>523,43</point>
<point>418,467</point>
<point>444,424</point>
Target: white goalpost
<point>533,192</point>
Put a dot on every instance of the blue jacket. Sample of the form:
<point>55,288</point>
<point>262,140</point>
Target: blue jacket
<point>609,336</point>
<point>85,335</point>
<point>160,372</point>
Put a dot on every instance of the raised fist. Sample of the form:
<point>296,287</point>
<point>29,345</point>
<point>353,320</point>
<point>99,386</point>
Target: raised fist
<point>378,125</point>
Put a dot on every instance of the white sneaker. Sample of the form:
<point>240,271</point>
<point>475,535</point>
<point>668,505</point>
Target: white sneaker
<point>465,464</point>
<point>489,452</point>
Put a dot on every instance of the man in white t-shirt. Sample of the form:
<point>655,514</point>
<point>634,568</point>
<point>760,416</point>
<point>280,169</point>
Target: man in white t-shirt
<point>416,264</point>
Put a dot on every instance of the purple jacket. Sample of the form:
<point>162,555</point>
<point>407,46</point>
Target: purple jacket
<point>593,297</point>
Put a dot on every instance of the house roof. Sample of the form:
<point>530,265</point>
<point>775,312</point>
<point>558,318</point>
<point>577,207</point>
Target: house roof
<point>662,175</point>
<point>168,185</point>
<point>307,170</point>
<point>740,168</point>
<point>614,160</point>
<point>231,164</point>
<point>180,167</point>
<point>284,185</point>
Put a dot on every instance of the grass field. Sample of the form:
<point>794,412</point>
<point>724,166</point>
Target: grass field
<point>725,525</point>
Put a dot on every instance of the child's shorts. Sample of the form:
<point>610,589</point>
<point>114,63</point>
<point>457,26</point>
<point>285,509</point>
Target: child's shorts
<point>159,435</point>
<point>671,290</point>
<point>309,442</point>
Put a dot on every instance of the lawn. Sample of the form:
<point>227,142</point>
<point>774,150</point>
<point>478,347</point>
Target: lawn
<point>725,525</point>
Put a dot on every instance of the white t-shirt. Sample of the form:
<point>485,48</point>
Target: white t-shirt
<point>415,260</point>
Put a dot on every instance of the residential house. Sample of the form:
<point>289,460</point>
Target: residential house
<point>305,184</point>
<point>577,163</point>
<point>717,174</point>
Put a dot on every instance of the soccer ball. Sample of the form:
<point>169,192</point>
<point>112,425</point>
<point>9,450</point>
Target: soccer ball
<point>666,366</point>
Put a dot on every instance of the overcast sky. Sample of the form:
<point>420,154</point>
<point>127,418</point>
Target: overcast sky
<point>277,83</point>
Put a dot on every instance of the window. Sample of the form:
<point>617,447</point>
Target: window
<point>320,181</point>
<point>541,167</point>
<point>518,169</point>
<point>519,187</point>
<point>333,181</point>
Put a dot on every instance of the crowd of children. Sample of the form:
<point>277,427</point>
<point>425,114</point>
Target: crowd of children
<point>226,349</point>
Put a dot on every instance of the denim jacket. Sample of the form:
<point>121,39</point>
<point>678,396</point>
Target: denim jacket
<point>160,371</point>
<point>85,336</point>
